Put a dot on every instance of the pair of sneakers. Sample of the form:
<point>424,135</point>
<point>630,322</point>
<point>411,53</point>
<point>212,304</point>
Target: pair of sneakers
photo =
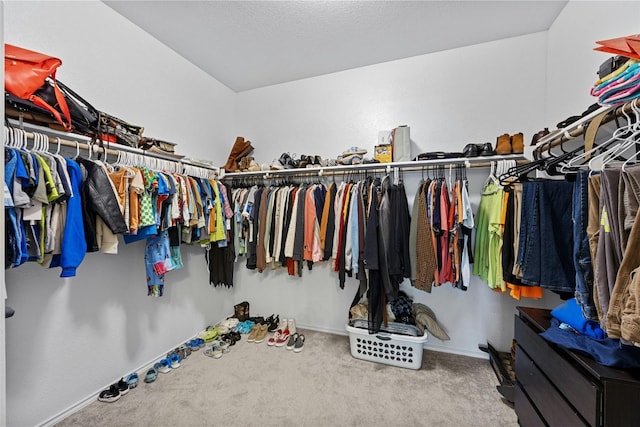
<point>281,335</point>
<point>258,333</point>
<point>114,392</point>
<point>295,342</point>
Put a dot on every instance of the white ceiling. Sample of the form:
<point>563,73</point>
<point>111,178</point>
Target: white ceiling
<point>251,44</point>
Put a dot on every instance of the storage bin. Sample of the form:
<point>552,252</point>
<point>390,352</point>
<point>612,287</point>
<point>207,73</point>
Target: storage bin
<point>393,346</point>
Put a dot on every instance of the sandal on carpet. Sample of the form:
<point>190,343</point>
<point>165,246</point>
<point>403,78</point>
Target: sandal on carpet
<point>213,351</point>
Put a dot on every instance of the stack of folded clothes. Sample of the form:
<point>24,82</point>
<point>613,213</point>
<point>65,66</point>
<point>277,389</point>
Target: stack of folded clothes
<point>619,86</point>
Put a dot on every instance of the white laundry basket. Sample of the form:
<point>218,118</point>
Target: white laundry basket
<point>397,344</point>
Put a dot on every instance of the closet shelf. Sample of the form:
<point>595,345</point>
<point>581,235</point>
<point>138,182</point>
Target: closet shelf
<point>83,142</point>
<point>470,162</point>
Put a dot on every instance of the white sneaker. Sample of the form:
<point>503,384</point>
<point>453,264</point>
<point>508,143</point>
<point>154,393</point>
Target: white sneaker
<point>283,325</point>
<point>292,326</point>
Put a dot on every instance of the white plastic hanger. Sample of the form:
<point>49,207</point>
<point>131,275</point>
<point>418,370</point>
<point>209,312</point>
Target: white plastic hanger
<point>598,162</point>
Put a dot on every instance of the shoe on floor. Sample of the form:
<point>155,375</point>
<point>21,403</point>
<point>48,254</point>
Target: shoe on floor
<point>283,338</point>
<point>123,387</point>
<point>292,341</point>
<point>152,375</point>
<point>262,334</point>
<point>291,325</point>
<point>253,333</point>
<point>213,350</point>
<point>109,395</point>
<point>299,345</point>
<point>132,380</point>
<point>276,336</point>
<point>163,366</point>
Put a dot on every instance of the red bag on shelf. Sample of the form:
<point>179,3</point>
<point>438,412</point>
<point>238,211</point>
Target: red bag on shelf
<point>26,71</point>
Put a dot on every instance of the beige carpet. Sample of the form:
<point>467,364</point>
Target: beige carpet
<point>258,385</point>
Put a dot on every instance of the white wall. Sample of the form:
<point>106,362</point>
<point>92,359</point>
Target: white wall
<point>70,338</point>
<point>572,64</point>
<point>450,98</point>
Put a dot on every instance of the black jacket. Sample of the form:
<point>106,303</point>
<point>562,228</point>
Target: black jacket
<point>98,199</point>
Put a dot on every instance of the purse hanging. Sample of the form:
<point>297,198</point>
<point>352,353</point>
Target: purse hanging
<point>25,71</point>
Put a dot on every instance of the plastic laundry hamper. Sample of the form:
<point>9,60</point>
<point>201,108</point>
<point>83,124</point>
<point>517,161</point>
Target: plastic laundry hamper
<point>396,344</point>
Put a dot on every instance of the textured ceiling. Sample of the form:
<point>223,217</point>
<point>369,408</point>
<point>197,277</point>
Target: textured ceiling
<point>251,44</point>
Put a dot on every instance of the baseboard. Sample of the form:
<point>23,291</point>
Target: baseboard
<point>142,370</point>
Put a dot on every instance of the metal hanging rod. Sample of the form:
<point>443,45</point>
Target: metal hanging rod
<point>472,162</point>
<point>84,142</point>
<point>579,127</point>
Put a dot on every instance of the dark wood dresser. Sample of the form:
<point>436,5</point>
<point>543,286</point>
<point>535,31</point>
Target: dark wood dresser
<point>556,387</point>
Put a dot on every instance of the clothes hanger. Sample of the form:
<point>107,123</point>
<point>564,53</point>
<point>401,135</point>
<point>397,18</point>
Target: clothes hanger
<point>632,140</point>
<point>621,137</point>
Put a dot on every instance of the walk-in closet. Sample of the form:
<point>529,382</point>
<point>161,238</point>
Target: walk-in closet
<point>313,231</point>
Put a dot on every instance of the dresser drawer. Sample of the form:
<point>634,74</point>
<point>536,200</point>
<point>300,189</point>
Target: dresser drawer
<point>578,390</point>
<point>527,414</point>
<point>544,396</point>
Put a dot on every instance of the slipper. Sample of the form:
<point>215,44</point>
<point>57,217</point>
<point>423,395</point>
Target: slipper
<point>193,345</point>
<point>151,376</point>
<point>210,334</point>
<point>132,380</point>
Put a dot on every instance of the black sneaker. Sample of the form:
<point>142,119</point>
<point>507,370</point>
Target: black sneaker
<point>109,395</point>
<point>273,325</point>
<point>123,387</point>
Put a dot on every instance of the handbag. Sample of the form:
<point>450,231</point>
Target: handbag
<point>26,71</point>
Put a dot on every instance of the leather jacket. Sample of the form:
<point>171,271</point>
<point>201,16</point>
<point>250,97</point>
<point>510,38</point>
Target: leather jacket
<point>99,199</point>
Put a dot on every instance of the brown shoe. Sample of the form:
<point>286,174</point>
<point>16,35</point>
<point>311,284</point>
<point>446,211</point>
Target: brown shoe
<point>262,333</point>
<point>503,144</point>
<point>517,143</point>
<point>240,149</point>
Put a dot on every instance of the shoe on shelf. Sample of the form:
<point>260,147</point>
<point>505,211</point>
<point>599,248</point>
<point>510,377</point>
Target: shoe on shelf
<point>151,375</point>
<point>276,165</point>
<point>240,149</point>
<point>517,143</point>
<point>253,165</point>
<point>262,334</point>
<point>291,324</point>
<point>354,150</point>
<point>503,144</point>
<point>132,380</point>
<point>109,395</point>
<point>283,338</point>
<point>299,345</point>
<point>292,341</point>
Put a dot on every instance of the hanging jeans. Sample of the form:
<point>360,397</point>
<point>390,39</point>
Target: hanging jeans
<point>581,252</point>
<point>548,252</point>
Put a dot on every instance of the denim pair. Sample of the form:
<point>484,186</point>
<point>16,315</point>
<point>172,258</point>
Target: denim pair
<point>546,229</point>
<point>581,252</point>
